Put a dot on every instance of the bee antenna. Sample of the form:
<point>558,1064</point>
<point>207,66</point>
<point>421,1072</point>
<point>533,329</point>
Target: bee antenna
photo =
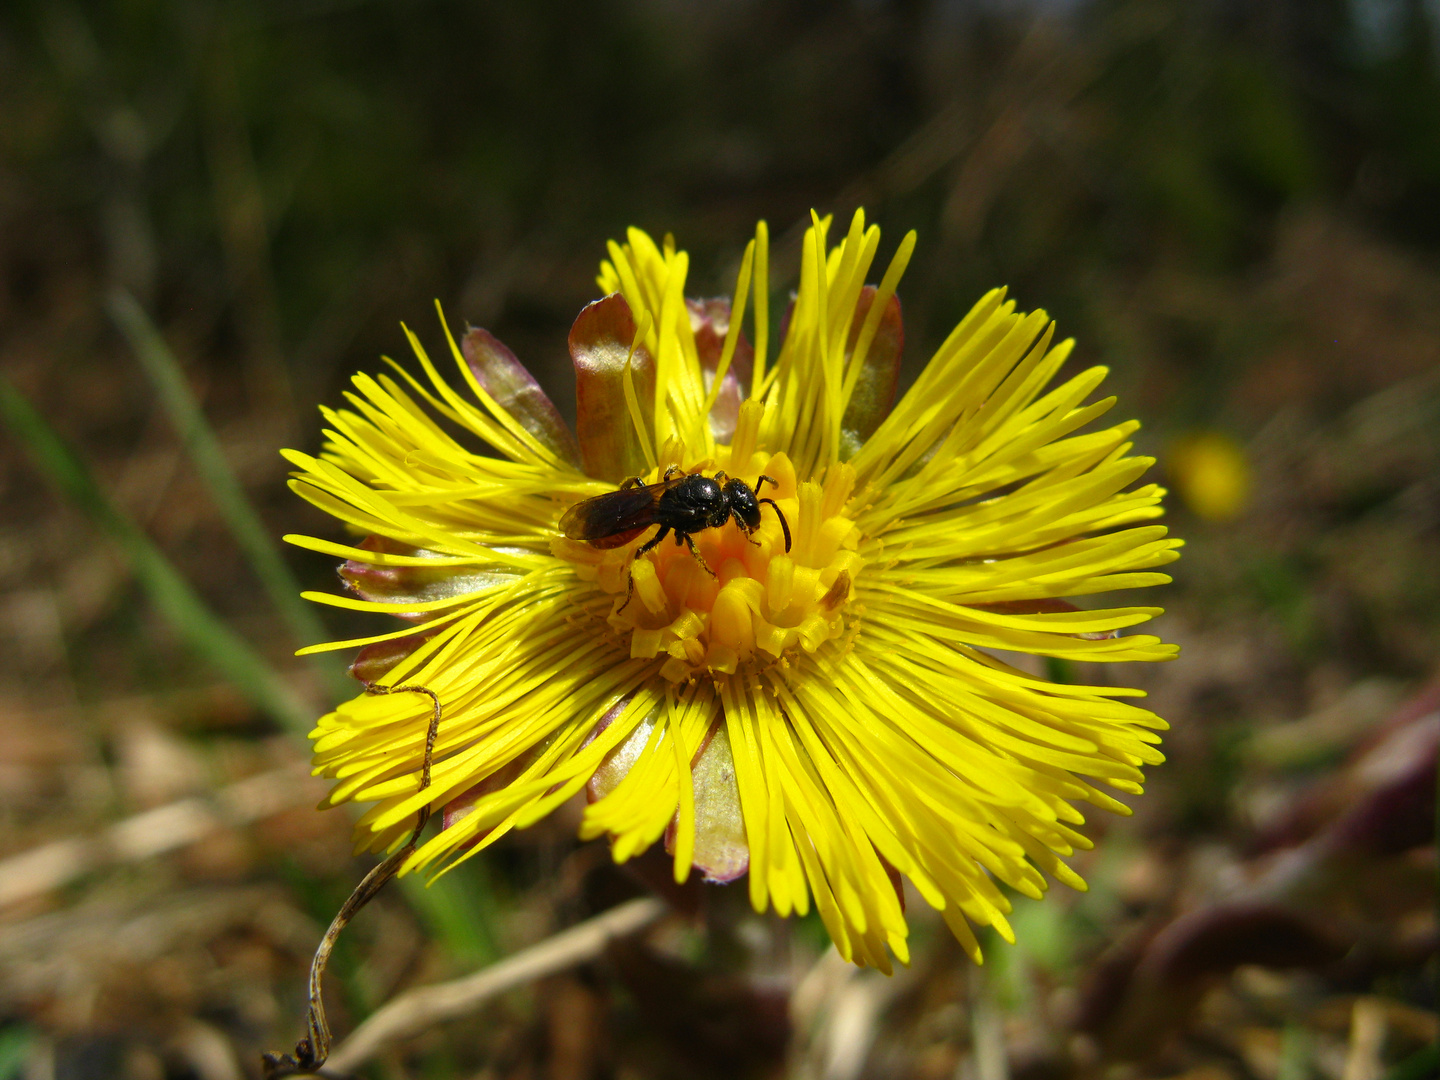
<point>785,525</point>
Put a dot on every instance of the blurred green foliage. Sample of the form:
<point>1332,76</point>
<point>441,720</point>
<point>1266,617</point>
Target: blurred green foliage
<point>15,1040</point>
<point>301,175</point>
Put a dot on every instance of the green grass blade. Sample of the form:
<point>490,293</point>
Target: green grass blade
<point>256,544</point>
<point>171,594</point>
<point>459,910</point>
<point>14,1050</point>
<point>1421,1065</point>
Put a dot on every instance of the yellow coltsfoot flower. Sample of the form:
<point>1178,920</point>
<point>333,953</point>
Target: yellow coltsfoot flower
<point>827,717</point>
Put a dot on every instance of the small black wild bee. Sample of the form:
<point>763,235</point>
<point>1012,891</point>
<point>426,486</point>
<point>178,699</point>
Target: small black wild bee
<point>682,503</point>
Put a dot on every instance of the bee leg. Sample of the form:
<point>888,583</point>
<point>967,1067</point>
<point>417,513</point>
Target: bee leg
<point>744,531</point>
<point>764,480</point>
<point>632,482</point>
<point>698,557</point>
<point>653,541</point>
<point>629,592</point>
<point>630,580</point>
<point>671,470</point>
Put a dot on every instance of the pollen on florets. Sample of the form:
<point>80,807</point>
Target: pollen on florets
<point>762,603</point>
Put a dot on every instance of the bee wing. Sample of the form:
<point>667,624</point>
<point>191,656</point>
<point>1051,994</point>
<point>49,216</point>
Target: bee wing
<point>627,510</point>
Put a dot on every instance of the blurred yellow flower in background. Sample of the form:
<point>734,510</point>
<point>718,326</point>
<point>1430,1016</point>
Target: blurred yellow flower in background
<point>1212,473</point>
<point>826,719</point>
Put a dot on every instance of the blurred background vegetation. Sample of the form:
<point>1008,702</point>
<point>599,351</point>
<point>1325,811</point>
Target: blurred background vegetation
<point>1235,205</point>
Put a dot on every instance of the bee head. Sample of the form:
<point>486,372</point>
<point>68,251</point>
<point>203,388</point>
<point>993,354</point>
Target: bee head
<point>743,503</point>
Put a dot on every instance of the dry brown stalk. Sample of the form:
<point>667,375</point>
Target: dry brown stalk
<point>153,832</point>
<point>425,1006</point>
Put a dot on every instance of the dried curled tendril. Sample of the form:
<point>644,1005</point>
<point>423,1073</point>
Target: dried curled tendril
<point>312,1051</point>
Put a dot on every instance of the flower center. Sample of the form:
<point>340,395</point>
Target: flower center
<point>756,603</point>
